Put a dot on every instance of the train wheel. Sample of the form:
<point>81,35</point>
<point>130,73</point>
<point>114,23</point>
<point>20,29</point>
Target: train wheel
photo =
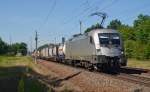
<point>106,67</point>
<point>67,62</point>
<point>73,63</point>
<point>117,67</point>
<point>98,67</point>
<point>90,67</point>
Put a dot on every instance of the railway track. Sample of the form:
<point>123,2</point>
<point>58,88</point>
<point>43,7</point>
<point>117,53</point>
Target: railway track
<point>144,81</point>
<point>133,75</point>
<point>136,75</point>
<point>126,75</point>
<point>135,79</point>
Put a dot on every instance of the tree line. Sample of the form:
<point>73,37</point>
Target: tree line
<point>136,38</point>
<point>13,49</point>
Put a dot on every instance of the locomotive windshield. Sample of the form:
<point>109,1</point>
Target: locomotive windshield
<point>109,38</point>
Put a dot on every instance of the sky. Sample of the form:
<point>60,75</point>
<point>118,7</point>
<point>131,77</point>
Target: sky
<point>54,19</point>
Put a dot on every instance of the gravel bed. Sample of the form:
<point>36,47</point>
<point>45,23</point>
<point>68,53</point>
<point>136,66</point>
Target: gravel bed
<point>88,81</point>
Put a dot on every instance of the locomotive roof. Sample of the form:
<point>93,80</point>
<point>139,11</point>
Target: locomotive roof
<point>103,31</point>
<point>80,36</point>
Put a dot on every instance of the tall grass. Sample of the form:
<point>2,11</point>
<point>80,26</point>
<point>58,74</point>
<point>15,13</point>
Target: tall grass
<point>139,63</point>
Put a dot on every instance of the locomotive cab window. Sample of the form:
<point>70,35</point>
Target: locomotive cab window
<point>109,38</point>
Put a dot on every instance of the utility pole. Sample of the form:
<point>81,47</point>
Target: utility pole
<point>55,40</point>
<point>36,43</point>
<point>10,40</point>
<point>80,27</point>
<point>31,44</point>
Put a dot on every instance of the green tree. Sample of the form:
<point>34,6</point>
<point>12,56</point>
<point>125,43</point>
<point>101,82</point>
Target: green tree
<point>3,47</point>
<point>147,51</point>
<point>136,38</point>
<point>127,32</point>
<point>142,20</point>
<point>23,48</point>
<point>19,48</point>
<point>138,50</point>
<point>114,24</point>
<point>142,26</point>
<point>12,49</point>
<point>129,44</point>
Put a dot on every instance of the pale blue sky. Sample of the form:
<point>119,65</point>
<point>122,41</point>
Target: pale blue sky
<point>56,18</point>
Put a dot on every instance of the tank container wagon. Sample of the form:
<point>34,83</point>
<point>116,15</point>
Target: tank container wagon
<point>46,51</point>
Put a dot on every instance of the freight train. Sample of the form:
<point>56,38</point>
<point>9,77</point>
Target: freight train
<point>100,49</point>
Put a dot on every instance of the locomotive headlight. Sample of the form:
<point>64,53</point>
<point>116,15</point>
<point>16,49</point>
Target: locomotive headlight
<point>122,51</point>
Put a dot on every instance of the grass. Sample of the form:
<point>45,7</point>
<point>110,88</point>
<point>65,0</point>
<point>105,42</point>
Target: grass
<point>9,61</point>
<point>23,61</point>
<point>12,68</point>
<point>6,61</point>
<point>139,63</point>
<point>34,86</point>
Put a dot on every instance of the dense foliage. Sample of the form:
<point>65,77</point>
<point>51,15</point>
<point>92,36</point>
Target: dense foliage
<point>12,49</point>
<point>3,47</point>
<point>136,38</point>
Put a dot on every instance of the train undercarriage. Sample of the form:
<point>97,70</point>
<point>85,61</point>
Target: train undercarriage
<point>104,63</point>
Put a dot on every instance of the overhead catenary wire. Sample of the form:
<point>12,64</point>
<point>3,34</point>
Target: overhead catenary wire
<point>75,16</point>
<point>51,10</point>
<point>49,13</point>
<point>88,10</point>
<point>109,5</point>
<point>98,9</point>
<point>81,13</point>
<point>127,18</point>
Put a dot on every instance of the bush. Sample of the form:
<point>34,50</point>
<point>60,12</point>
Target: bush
<point>129,44</point>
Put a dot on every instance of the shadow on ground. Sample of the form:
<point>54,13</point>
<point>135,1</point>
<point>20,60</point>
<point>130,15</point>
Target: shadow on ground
<point>125,70</point>
<point>132,71</point>
<point>14,79</point>
<point>57,82</point>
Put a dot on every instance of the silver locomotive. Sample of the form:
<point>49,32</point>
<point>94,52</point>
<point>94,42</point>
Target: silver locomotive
<point>99,48</point>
